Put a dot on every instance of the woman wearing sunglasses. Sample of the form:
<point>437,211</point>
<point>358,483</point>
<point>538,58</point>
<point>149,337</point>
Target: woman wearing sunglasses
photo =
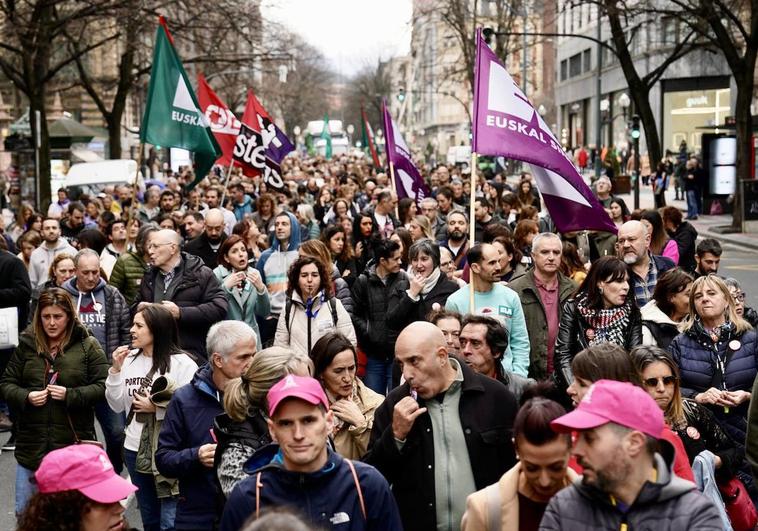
<point>693,422</point>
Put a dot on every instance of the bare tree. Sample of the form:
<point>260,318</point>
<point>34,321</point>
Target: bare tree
<point>367,88</point>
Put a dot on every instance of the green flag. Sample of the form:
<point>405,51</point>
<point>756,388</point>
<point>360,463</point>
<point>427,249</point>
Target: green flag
<point>172,117</point>
<point>327,135</point>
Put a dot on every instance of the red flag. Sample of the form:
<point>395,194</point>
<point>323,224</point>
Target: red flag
<point>224,125</point>
<point>369,133</point>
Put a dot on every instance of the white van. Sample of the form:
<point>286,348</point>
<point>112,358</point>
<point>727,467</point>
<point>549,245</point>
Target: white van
<point>93,176</point>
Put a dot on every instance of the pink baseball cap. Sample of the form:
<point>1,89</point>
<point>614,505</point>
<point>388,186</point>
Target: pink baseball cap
<point>302,387</point>
<point>82,467</point>
<point>611,401</point>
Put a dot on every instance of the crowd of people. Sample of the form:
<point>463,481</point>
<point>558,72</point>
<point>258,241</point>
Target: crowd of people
<point>326,356</point>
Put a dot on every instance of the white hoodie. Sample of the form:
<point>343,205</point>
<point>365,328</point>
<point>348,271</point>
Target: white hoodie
<point>42,257</point>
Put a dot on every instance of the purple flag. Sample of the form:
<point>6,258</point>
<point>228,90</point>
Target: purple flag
<point>506,124</point>
<point>408,181</point>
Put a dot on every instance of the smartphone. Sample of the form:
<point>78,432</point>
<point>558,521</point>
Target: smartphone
<point>53,379</point>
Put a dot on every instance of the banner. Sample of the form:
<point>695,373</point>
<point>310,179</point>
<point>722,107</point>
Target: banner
<point>408,181</point>
<point>172,115</point>
<point>506,124</point>
<point>277,143</point>
<point>368,139</point>
<point>224,125</point>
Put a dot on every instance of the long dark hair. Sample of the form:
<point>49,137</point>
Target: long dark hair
<point>605,269</point>
<point>325,350</point>
<point>54,297</point>
<point>658,238</point>
<point>162,325</point>
<point>403,207</point>
<point>669,284</point>
<point>331,231</point>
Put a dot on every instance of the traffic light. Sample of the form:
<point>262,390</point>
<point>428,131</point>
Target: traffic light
<point>401,95</point>
<point>635,127</point>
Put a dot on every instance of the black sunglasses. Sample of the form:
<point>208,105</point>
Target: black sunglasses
<point>667,380</point>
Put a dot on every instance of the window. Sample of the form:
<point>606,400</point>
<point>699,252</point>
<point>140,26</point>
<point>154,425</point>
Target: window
<point>669,31</point>
<point>587,59</point>
<point>575,65</point>
<point>564,70</point>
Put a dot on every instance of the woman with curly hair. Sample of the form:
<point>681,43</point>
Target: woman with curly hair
<point>311,309</point>
<point>86,498</point>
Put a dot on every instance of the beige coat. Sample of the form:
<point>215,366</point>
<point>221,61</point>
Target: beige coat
<point>477,515</point>
<point>351,442</point>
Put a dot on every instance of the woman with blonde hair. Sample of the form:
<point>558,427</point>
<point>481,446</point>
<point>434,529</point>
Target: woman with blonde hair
<point>242,429</point>
<point>420,228</point>
<point>717,356</point>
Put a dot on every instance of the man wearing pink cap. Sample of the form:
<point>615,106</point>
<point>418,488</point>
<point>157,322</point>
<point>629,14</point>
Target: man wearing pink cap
<point>627,482</point>
<point>301,472</point>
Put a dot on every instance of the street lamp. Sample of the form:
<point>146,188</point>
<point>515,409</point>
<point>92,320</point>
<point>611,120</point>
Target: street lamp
<point>542,110</point>
<point>624,102</point>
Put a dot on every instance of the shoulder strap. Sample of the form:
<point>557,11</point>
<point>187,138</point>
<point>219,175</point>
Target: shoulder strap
<point>258,487</point>
<point>494,507</point>
<point>287,310</point>
<point>333,308</point>
<point>357,487</point>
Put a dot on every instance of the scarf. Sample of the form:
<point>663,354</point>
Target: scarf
<point>338,422</point>
<point>605,325</point>
<point>722,332</point>
<point>431,281</point>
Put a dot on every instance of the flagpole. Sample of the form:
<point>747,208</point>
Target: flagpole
<point>134,186</point>
<point>226,183</point>
<point>472,228</point>
<point>393,187</point>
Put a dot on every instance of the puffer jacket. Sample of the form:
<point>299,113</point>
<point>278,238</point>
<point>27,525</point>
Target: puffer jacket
<point>342,290</point>
<point>302,331</point>
<point>657,328</point>
<point>127,275</point>
<point>669,503</point>
<point>536,320</point>
<point>371,299</point>
<point>186,427</point>
<point>200,298</point>
<point>402,310</point>
<point>572,338</point>
<point>697,357</point>
<point>237,442</point>
<point>82,368</point>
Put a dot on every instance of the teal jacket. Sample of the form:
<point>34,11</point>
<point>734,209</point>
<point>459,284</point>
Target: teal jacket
<point>244,305</point>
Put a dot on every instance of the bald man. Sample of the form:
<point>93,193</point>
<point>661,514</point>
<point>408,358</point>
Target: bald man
<point>186,287</point>
<point>633,247</point>
<point>443,434</point>
<point>206,245</point>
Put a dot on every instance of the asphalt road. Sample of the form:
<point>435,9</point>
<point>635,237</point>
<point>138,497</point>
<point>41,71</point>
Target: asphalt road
<point>735,263</point>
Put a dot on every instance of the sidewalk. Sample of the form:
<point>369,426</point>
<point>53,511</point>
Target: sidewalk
<point>704,224</point>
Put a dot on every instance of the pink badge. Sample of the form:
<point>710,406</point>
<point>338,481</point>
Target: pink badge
<point>692,433</point>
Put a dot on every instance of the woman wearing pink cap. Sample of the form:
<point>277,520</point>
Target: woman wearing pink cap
<point>78,491</point>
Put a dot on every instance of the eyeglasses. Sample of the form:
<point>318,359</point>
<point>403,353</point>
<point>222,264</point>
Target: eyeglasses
<point>739,297</point>
<point>152,246</point>
<point>667,380</point>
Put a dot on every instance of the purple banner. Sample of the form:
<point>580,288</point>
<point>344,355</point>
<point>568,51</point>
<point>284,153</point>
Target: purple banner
<point>506,124</point>
<point>408,180</point>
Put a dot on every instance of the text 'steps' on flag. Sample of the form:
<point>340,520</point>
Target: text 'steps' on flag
<point>172,116</point>
<point>224,125</point>
<point>368,139</point>
<point>506,124</point>
<point>408,181</point>
<point>260,144</point>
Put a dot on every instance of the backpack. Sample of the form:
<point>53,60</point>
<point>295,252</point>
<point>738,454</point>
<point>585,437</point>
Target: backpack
<point>288,309</point>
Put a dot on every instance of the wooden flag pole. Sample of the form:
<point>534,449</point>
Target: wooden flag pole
<point>226,184</point>
<point>133,201</point>
<point>472,229</point>
<point>393,186</point>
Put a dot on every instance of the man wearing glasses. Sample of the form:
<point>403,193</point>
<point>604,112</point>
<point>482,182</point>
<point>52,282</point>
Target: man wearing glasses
<point>186,287</point>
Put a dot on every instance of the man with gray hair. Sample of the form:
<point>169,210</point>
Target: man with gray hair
<point>543,290</point>
<point>103,310</point>
<point>633,247</point>
<point>187,444</point>
<point>430,209</point>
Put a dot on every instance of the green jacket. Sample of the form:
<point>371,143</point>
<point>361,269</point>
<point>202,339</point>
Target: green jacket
<point>127,274</point>
<point>82,368</point>
<point>536,322</point>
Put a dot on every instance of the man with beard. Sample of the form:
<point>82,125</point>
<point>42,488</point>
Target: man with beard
<point>633,247</point>
<point>627,481</point>
<point>206,245</point>
<point>457,238</point>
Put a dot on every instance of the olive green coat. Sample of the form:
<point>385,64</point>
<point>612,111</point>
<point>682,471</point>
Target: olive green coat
<point>82,368</point>
<point>127,275</point>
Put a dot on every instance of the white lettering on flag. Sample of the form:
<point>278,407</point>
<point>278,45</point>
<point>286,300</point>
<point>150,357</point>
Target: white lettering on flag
<point>182,98</point>
<point>550,183</point>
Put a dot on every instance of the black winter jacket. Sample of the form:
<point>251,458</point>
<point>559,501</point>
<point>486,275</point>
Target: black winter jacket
<point>371,300</point>
<point>15,288</point>
<point>685,237</point>
<point>201,247</point>
<point>201,300</point>
<point>572,338</point>
<point>487,410</point>
<point>403,310</point>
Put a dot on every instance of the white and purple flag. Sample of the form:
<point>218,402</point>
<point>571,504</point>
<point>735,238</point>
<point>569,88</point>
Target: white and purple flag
<point>408,181</point>
<point>506,124</point>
